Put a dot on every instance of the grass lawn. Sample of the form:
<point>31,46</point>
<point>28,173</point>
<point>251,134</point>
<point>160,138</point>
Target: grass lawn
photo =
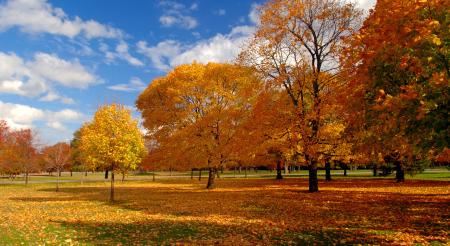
<point>238,212</point>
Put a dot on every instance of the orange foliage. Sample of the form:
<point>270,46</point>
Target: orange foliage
<point>193,113</point>
<point>295,48</point>
<point>397,67</point>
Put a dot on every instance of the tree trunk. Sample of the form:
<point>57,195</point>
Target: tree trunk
<point>153,176</point>
<point>375,170</point>
<point>26,177</point>
<point>234,172</point>
<point>123,177</point>
<point>286,166</point>
<point>211,178</point>
<point>313,181</point>
<point>400,173</point>
<point>192,173</point>
<point>240,169</point>
<point>200,175</point>
<point>85,173</point>
<point>279,176</point>
<point>71,173</point>
<point>345,169</point>
<point>106,174</point>
<point>170,171</point>
<point>327,171</point>
<point>57,181</point>
<point>245,172</point>
<point>111,196</point>
<point>59,173</point>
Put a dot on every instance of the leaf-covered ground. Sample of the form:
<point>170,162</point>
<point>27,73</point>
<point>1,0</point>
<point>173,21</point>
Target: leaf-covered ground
<point>239,212</point>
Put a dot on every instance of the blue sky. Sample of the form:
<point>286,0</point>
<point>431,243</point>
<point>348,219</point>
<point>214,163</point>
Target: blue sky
<point>60,60</point>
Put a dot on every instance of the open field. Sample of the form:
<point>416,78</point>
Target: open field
<point>442,174</point>
<point>239,212</point>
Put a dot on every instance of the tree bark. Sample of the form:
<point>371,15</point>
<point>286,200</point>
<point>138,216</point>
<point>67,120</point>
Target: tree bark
<point>111,196</point>
<point>313,181</point>
<point>26,177</point>
<point>327,171</point>
<point>211,178</point>
<point>279,176</point>
<point>57,181</point>
<point>123,177</point>
<point>153,176</point>
<point>375,170</point>
<point>200,174</point>
<point>345,169</point>
<point>400,173</point>
<point>106,174</point>
<point>245,172</point>
<point>286,168</point>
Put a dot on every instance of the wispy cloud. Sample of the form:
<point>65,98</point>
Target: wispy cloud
<point>135,84</point>
<point>178,14</point>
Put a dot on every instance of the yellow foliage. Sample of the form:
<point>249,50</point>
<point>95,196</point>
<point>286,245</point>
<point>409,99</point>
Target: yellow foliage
<point>112,140</point>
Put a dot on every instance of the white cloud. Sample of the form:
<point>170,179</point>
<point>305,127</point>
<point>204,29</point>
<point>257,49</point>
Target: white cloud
<point>365,4</point>
<point>53,123</point>
<point>184,21</point>
<point>162,54</point>
<point>37,76</point>
<point>177,14</point>
<point>220,48</point>
<point>38,16</point>
<point>20,116</point>
<point>121,52</point>
<point>254,13</point>
<point>52,96</point>
<point>135,84</point>
<point>67,73</point>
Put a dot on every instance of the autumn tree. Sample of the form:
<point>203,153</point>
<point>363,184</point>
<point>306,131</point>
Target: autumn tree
<point>112,141</point>
<point>296,48</point>
<point>266,137</point>
<point>20,152</point>
<point>193,112</point>
<point>398,68</point>
<point>58,157</point>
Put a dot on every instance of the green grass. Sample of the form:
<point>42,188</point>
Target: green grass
<point>441,174</point>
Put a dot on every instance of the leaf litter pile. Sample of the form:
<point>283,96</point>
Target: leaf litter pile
<point>238,212</point>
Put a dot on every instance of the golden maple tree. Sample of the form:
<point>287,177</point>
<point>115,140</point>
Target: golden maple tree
<point>192,114</point>
<point>112,141</point>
